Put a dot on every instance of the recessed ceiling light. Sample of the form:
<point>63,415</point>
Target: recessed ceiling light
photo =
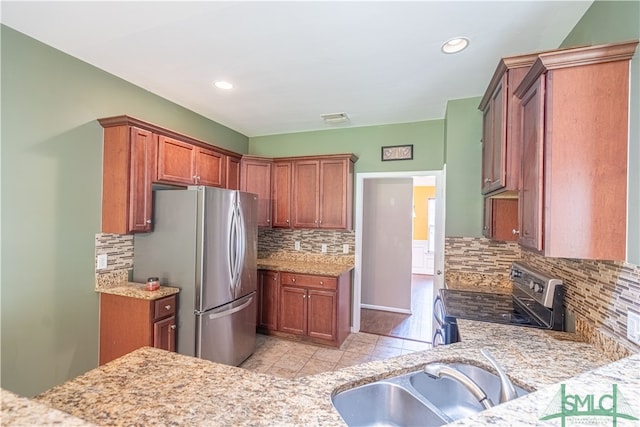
<point>223,85</point>
<point>455,45</point>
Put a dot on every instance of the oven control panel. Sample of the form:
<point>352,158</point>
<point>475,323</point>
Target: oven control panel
<point>534,283</point>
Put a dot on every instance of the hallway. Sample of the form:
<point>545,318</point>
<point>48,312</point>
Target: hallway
<point>416,326</point>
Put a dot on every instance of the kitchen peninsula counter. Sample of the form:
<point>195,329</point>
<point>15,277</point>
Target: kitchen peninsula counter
<point>154,387</point>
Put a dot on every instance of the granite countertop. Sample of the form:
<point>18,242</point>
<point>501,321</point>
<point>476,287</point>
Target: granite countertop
<point>138,290</point>
<point>20,411</point>
<point>316,265</point>
<point>155,387</point>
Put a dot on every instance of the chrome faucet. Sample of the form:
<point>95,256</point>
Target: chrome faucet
<point>507,390</point>
<point>440,370</point>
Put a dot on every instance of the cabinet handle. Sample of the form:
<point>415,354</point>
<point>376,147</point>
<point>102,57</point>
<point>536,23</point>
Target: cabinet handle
<point>167,307</point>
<point>173,327</point>
<point>515,232</point>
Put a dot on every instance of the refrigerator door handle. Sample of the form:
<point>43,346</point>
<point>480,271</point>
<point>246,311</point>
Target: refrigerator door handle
<point>240,247</point>
<point>233,310</point>
<point>232,249</point>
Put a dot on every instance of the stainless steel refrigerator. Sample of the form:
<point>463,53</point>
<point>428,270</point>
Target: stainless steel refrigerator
<point>204,242</point>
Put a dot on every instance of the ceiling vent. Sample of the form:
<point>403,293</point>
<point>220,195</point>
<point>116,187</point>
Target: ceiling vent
<point>334,118</point>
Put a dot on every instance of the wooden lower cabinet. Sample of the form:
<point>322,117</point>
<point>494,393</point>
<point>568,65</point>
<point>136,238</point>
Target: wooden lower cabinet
<point>128,323</point>
<point>313,307</point>
<point>268,288</point>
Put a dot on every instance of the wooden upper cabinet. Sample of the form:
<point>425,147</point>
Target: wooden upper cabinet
<point>575,121</point>
<point>233,173</point>
<point>256,179</point>
<point>501,219</point>
<point>501,126</point>
<point>129,164</point>
<point>323,192</point>
<point>281,193</point>
<point>186,164</point>
<point>210,167</point>
<point>176,161</point>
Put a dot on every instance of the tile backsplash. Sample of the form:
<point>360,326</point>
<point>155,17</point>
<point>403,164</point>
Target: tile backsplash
<point>119,251</point>
<point>597,293</point>
<point>281,240</point>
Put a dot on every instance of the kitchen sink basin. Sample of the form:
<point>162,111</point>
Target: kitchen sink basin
<point>384,403</point>
<point>453,398</point>
<point>416,399</point>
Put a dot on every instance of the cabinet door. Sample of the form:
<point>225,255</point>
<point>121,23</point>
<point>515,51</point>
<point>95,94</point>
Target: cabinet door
<point>494,139</point>
<point>164,334</point>
<point>142,172</point>
<point>176,161</point>
<point>322,309</point>
<point>256,179</point>
<point>333,194</point>
<point>305,193</point>
<point>281,194</point>
<point>233,173</point>
<point>501,219</point>
<point>531,194</point>
<point>268,297</point>
<point>210,167</point>
<point>293,310</point>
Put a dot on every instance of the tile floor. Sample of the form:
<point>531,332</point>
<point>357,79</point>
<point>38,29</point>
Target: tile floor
<point>291,359</point>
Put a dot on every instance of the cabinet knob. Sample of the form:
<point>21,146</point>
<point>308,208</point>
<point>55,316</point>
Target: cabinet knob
<point>268,221</point>
<point>148,221</point>
<point>320,221</point>
<point>274,279</point>
<point>287,221</point>
<point>167,307</point>
<point>486,228</point>
<point>515,232</point>
<point>173,327</point>
<point>321,283</point>
<point>293,279</point>
<point>487,180</point>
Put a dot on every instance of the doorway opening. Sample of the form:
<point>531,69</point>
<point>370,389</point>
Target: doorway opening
<point>388,298</point>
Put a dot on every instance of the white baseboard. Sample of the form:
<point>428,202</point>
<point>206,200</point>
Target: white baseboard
<point>383,308</point>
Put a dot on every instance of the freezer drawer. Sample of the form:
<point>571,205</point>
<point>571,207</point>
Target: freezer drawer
<point>227,334</point>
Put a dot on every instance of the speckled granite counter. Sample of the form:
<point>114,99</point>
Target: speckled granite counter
<point>20,411</point>
<point>304,267</point>
<point>154,387</point>
<point>138,290</point>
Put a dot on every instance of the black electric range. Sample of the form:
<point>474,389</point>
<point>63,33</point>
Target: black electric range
<point>536,301</point>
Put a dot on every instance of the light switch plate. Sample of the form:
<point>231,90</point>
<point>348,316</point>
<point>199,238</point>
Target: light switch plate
<point>345,248</point>
<point>633,326</point>
<point>102,262</point>
<point>324,248</point>
<point>296,245</point>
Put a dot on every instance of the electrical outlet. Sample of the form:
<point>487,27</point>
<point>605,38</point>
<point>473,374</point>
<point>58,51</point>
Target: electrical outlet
<point>296,245</point>
<point>345,248</point>
<point>324,248</point>
<point>633,326</point>
<point>102,261</point>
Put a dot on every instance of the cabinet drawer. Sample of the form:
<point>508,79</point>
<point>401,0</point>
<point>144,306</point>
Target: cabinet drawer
<point>164,307</point>
<point>308,281</point>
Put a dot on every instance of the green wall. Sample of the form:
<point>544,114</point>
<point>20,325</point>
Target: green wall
<point>608,22</point>
<point>427,138</point>
<point>51,169</point>
<point>464,167</point>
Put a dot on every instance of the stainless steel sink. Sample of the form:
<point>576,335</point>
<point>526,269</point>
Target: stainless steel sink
<point>451,397</point>
<point>416,399</point>
<point>384,403</point>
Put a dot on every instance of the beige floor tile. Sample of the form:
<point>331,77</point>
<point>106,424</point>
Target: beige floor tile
<point>385,352</point>
<point>315,366</point>
<point>360,347</point>
<point>390,342</point>
<point>416,345</point>
<point>304,350</point>
<point>291,362</point>
<point>328,355</point>
<point>365,337</point>
<point>277,371</point>
<point>350,358</point>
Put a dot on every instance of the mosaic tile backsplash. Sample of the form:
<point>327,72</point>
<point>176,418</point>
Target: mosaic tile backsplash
<point>272,240</point>
<point>598,293</point>
<point>119,250</point>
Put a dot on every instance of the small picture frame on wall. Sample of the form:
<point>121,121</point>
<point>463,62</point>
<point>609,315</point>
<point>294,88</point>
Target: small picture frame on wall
<point>397,152</point>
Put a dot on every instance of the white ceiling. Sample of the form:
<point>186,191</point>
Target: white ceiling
<point>290,62</point>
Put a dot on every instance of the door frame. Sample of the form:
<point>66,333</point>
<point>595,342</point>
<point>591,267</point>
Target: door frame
<point>438,267</point>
